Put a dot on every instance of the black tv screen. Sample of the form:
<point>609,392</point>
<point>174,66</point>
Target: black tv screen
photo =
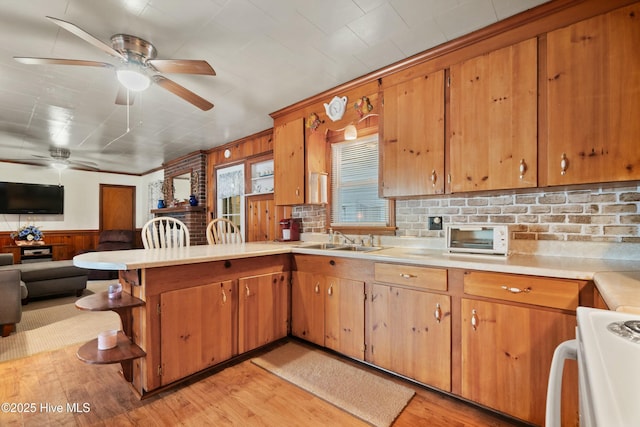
<point>19,198</point>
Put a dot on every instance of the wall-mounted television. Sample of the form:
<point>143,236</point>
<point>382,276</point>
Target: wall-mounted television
<point>19,198</point>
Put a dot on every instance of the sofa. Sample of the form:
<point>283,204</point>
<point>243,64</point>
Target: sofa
<point>10,296</point>
<point>48,278</point>
<point>111,240</point>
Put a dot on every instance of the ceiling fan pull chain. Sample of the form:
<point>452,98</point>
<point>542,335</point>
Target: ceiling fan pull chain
<point>128,106</point>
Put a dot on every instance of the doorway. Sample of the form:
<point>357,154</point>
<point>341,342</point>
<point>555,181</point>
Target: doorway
<point>230,195</point>
<point>117,207</point>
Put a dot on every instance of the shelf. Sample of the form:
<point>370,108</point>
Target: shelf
<point>186,208</point>
<point>259,194</point>
<point>124,351</point>
<point>255,178</point>
<point>101,302</point>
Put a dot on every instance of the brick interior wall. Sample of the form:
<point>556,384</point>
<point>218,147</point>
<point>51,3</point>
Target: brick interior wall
<point>196,162</point>
<point>195,220</point>
<point>591,215</point>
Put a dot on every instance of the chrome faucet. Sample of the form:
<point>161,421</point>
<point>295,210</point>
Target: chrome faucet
<point>348,239</point>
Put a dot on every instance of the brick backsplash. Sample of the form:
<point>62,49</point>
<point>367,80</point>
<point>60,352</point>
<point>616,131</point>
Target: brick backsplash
<point>603,214</point>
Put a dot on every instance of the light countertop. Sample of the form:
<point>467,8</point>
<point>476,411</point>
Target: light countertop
<point>620,289</point>
<point>617,280</point>
<point>148,258</point>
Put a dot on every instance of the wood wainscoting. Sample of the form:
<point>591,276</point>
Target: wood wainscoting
<point>68,243</point>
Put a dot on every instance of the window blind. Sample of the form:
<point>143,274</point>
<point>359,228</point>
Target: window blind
<point>354,184</point>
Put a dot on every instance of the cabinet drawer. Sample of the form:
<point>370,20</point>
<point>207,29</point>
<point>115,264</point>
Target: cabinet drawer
<point>548,292</point>
<point>412,276</point>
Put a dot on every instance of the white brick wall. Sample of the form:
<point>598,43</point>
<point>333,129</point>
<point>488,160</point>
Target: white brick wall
<point>602,214</point>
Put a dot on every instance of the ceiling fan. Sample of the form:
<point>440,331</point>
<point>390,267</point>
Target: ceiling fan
<point>59,159</point>
<point>138,66</point>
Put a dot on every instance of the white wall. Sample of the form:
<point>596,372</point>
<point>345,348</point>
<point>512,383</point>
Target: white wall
<point>81,196</point>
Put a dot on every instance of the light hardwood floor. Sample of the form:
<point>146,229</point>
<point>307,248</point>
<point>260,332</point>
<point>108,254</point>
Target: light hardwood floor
<point>240,395</point>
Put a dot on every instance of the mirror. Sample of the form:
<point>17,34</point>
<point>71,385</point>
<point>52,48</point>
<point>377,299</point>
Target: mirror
<point>182,186</point>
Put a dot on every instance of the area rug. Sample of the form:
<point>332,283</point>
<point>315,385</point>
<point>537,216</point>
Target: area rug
<point>369,397</point>
<point>55,323</point>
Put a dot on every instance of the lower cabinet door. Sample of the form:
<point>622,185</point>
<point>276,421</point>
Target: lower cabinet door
<point>506,357</point>
<point>196,329</point>
<point>344,316</point>
<point>262,310</point>
<point>307,306</point>
<point>410,333</point>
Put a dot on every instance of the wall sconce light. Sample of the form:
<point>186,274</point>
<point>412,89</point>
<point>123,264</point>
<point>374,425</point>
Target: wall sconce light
<point>350,133</point>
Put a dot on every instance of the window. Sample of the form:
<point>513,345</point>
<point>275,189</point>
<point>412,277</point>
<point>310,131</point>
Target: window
<point>354,184</point>
<point>230,194</point>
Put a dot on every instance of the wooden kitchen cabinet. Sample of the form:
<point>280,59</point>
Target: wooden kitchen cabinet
<point>328,311</point>
<point>297,155</point>
<point>344,316</point>
<point>263,313</point>
<point>263,218</point>
<point>307,306</point>
<point>410,334</point>
<point>197,328</point>
<point>593,100</point>
<point>408,325</point>
<point>412,135</point>
<point>493,120</point>
<point>506,349</point>
<point>288,157</point>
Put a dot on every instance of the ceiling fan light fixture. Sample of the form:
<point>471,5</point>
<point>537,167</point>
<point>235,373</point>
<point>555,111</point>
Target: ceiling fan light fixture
<point>59,165</point>
<point>133,80</point>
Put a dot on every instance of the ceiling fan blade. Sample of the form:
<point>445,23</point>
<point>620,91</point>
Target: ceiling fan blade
<point>121,97</point>
<point>182,92</point>
<point>87,165</point>
<point>183,66</point>
<point>86,37</point>
<point>56,61</point>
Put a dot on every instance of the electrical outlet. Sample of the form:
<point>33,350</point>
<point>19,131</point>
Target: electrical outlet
<point>435,223</point>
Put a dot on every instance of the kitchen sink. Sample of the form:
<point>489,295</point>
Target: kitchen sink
<point>359,248</point>
<point>339,247</point>
<point>324,246</point>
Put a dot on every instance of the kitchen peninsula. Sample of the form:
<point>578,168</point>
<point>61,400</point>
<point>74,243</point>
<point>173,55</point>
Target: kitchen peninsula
<point>203,304</point>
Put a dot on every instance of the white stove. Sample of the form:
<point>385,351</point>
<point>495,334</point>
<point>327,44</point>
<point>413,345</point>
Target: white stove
<point>608,352</point>
<point>609,362</point>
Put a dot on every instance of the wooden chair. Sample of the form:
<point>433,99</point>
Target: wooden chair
<point>165,232</point>
<point>222,231</point>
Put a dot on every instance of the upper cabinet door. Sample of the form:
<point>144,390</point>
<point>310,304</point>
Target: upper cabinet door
<point>288,158</point>
<point>593,100</point>
<point>412,149</point>
<point>493,135</point>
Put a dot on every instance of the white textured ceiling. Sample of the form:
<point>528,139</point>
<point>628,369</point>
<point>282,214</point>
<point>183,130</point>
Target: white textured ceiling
<point>268,54</point>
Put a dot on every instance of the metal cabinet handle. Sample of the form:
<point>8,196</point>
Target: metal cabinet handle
<point>330,290</point>
<point>522,168</point>
<point>434,177</point>
<point>564,164</point>
<point>246,287</point>
<point>407,276</point>
<point>297,192</point>
<point>224,296</point>
<point>317,288</point>
<point>438,313</point>
<point>474,319</point>
<point>514,290</point>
